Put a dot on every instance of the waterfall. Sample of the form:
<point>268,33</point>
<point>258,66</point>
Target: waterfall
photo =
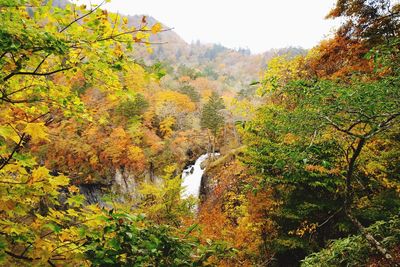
<point>191,177</point>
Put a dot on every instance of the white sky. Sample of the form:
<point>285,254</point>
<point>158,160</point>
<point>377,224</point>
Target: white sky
<point>255,24</point>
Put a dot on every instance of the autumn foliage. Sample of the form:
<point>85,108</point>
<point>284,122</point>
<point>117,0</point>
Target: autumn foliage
<point>95,131</point>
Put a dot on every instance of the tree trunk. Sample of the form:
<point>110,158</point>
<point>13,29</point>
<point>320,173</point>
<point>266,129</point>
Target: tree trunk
<point>151,171</point>
<point>349,200</point>
<point>213,146</point>
<point>371,239</point>
<point>237,137</point>
<point>350,171</point>
<point>209,147</point>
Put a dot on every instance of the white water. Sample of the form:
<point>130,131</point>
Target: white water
<point>191,177</point>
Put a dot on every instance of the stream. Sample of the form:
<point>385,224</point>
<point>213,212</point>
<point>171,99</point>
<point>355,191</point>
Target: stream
<point>191,177</point>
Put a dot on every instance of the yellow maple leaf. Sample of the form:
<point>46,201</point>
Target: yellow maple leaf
<point>37,131</point>
<point>156,28</point>
<point>39,174</point>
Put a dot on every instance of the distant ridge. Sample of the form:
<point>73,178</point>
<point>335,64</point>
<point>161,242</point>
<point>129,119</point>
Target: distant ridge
<point>239,64</point>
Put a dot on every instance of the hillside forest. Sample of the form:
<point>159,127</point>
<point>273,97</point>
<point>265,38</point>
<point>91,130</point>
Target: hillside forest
<point>100,113</point>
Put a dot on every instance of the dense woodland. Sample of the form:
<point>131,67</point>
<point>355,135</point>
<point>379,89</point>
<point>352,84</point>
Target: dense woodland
<point>100,113</point>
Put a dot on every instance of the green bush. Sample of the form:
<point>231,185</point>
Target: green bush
<point>127,240</point>
<point>355,250</point>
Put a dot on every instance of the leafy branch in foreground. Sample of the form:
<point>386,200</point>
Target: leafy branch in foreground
<point>45,54</point>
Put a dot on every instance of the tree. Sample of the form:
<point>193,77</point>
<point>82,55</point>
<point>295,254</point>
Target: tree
<point>43,49</point>
<point>132,108</point>
<point>374,21</point>
<point>190,91</point>
<point>172,109</point>
<point>211,117</point>
<point>314,143</point>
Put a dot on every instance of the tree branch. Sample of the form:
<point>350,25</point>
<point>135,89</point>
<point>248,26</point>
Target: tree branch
<point>112,37</point>
<point>383,125</point>
<point>329,218</point>
<point>16,148</point>
<point>19,90</point>
<point>34,73</point>
<point>349,199</point>
<point>41,62</point>
<point>8,100</point>
<point>2,55</point>
<point>82,17</point>
<point>21,257</point>
<point>337,127</point>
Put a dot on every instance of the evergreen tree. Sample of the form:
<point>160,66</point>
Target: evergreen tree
<point>211,117</point>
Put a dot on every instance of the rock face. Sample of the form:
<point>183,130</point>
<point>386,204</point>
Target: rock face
<point>205,187</point>
<point>124,183</point>
<point>123,186</point>
<point>212,172</point>
<point>93,193</point>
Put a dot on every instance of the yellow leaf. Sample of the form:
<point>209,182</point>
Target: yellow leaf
<point>166,126</point>
<point>156,28</point>
<point>73,212</point>
<point>38,174</point>
<point>141,35</point>
<point>57,181</point>
<point>94,159</point>
<point>37,131</point>
<point>64,236</point>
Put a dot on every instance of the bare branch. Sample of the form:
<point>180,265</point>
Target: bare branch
<point>313,139</point>
<point>330,217</point>
<point>112,37</point>
<point>354,124</point>
<point>115,23</point>
<point>40,116</point>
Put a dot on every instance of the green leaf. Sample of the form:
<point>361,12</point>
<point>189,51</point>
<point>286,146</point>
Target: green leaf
<point>7,132</point>
<point>53,227</point>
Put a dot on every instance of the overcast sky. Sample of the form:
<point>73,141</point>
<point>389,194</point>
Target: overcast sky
<point>255,24</point>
